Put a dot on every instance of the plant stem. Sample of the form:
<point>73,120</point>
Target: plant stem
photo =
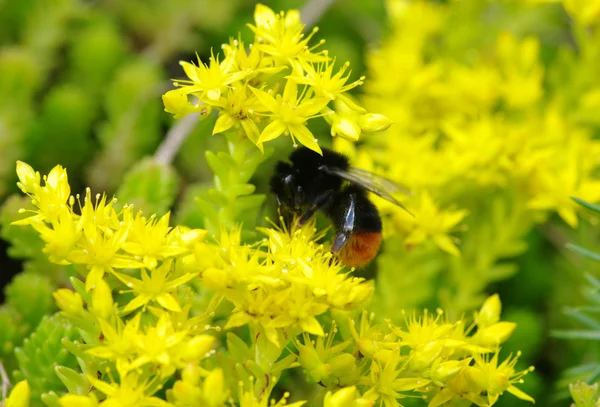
<point>168,149</point>
<point>5,382</point>
<point>313,10</point>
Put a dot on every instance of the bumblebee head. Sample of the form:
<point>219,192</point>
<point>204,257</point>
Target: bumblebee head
<point>285,184</point>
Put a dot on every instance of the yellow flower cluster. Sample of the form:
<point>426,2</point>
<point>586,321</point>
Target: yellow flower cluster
<point>274,87</point>
<point>125,251</point>
<point>286,286</point>
<point>475,118</point>
<point>135,315</point>
<point>426,357</point>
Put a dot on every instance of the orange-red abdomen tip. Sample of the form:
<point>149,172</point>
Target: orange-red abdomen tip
<point>361,249</point>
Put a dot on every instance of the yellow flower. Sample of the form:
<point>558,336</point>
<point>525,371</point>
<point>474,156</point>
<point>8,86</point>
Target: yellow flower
<point>209,81</point>
<point>238,109</point>
<point>68,301</point>
<point>288,114</point>
<point>281,36</point>
<point>169,347</point>
<point>131,391</point>
<point>494,379</point>
<point>429,222</point>
<point>326,84</point>
<point>326,363</point>
<point>118,344</point>
<point>60,235</point>
<point>388,383</point>
<point>50,198</point>
<point>157,286</point>
<point>152,240</point>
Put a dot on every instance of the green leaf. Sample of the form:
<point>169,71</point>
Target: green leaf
<point>217,166</point>
<point>41,352</point>
<point>12,331</point>
<point>187,212</point>
<point>590,206</point>
<point>585,252</point>
<point>31,296</point>
<point>75,382</point>
<point>593,281</point>
<point>577,334</point>
<point>583,318</point>
<point>150,186</point>
<point>25,242</point>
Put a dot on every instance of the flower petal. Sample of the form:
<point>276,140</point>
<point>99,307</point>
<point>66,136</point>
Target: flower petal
<point>272,131</point>
<point>305,137</point>
<point>169,302</point>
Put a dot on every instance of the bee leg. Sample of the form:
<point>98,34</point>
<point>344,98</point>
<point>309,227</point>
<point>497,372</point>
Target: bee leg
<point>319,202</point>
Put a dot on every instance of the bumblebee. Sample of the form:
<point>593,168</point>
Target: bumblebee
<point>310,182</point>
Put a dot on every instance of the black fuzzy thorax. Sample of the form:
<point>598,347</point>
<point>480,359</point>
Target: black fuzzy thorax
<point>304,181</point>
<point>298,184</point>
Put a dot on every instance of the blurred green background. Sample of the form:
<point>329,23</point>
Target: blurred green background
<point>80,86</point>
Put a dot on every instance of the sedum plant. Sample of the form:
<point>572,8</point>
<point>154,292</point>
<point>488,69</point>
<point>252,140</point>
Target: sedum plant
<point>168,315</point>
<point>500,109</point>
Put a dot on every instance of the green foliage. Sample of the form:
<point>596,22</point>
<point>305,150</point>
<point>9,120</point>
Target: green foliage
<point>232,199</point>
<point>24,243</point>
<point>12,331</point>
<point>149,186</point>
<point>66,113</point>
<point>41,353</point>
<point>132,127</point>
<point>587,319</point>
<point>30,295</point>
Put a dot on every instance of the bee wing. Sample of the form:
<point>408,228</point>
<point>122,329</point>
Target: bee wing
<point>376,184</point>
<point>386,184</point>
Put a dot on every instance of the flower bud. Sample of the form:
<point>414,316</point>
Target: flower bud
<point>373,122</point>
<point>176,102</point>
<point>495,334</point>
<point>312,364</point>
<point>102,300</point>
<point>75,400</point>
<point>342,365</point>
<point>423,358</point>
<point>191,374</point>
<point>341,398</point>
<point>68,301</point>
<point>442,372</point>
<point>489,313</point>
<point>198,347</point>
<point>28,178</point>
<point>214,388</point>
<point>346,129</point>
